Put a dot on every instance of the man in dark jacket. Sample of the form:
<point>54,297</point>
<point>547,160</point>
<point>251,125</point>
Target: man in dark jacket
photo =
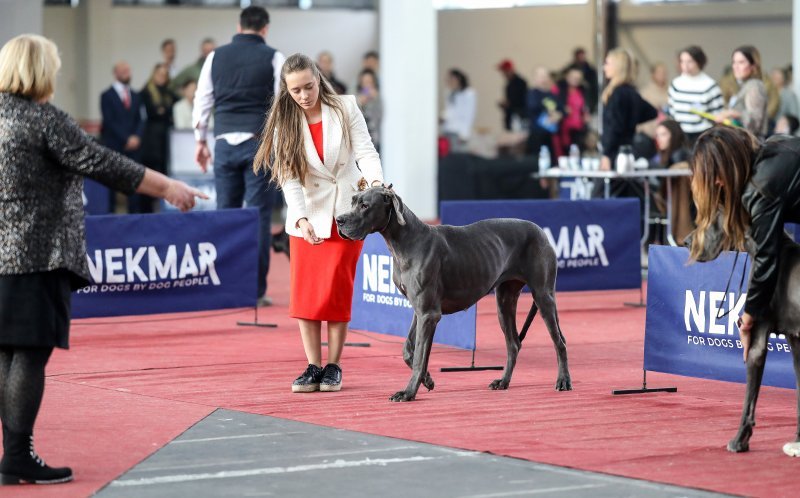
<point>238,81</point>
<point>123,126</point>
<point>516,94</point>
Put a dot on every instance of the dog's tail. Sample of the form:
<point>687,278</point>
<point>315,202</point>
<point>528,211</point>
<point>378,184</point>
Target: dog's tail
<point>528,320</point>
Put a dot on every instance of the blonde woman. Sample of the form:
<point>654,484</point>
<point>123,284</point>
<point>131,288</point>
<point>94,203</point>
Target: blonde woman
<point>749,105</point>
<point>44,157</point>
<point>623,108</point>
<point>310,144</point>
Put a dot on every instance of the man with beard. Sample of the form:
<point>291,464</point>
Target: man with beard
<point>123,123</point>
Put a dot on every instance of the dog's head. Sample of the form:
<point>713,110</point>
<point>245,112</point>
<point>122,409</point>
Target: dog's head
<point>371,211</point>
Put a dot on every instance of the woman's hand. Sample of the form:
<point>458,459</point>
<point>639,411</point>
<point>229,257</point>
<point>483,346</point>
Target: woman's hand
<point>605,164</point>
<point>745,327</point>
<point>308,232</point>
<point>182,196</point>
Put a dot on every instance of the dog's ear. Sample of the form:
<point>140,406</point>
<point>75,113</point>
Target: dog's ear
<point>397,205</point>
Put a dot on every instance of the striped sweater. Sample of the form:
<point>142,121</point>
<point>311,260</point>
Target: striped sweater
<point>700,93</point>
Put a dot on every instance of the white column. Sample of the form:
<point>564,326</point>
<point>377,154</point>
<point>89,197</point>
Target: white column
<point>408,89</point>
<point>18,17</point>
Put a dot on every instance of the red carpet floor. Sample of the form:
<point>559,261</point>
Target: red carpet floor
<point>129,386</point>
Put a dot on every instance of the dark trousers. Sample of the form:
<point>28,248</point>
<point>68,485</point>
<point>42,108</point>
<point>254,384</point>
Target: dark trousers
<point>237,184</point>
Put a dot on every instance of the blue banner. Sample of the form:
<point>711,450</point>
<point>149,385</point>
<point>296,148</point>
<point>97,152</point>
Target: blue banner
<point>164,263</point>
<point>682,333</point>
<point>96,197</point>
<point>596,242</point>
<point>378,306</point>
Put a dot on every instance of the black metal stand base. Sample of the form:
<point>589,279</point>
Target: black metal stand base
<point>471,368</point>
<point>641,303</point>
<point>468,369</point>
<point>255,322</point>
<point>353,344</point>
<point>645,389</point>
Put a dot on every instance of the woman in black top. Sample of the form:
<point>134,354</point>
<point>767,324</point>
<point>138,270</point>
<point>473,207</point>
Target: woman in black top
<point>624,107</point>
<point>158,100</point>
<point>44,157</point>
<point>754,189</point>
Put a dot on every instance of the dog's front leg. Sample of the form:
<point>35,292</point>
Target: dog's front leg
<point>408,353</point>
<point>756,360</point>
<point>793,449</point>
<point>424,330</point>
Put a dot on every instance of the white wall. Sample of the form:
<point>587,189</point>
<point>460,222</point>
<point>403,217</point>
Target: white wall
<point>104,35</point>
<point>657,32</point>
<point>18,17</point>
<point>476,40</point>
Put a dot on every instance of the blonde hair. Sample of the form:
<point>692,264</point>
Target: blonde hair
<point>625,65</point>
<point>285,155</point>
<point>28,67</point>
<point>722,164</point>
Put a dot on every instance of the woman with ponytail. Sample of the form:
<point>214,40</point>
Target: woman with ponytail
<point>310,145</point>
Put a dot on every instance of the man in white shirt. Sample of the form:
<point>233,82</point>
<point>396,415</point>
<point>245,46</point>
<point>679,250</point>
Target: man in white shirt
<point>238,81</point>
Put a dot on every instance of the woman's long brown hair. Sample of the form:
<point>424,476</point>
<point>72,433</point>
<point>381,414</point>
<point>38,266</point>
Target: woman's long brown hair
<point>282,148</point>
<point>722,155</point>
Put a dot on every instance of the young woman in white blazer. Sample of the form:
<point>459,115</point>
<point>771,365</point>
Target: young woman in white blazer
<point>318,149</point>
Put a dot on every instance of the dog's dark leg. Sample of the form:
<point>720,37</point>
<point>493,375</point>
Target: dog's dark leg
<point>408,353</point>
<point>794,343</point>
<point>507,294</point>
<point>756,360</point>
<point>426,327</point>
<point>547,304</point>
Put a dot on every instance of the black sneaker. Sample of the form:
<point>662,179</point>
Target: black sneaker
<point>331,378</point>
<point>308,382</point>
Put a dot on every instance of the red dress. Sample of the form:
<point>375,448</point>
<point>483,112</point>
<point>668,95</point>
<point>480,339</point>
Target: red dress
<point>322,275</point>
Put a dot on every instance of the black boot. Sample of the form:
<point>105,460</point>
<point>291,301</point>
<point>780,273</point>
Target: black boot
<point>21,464</point>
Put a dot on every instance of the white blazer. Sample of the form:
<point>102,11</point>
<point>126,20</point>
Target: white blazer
<point>331,184</point>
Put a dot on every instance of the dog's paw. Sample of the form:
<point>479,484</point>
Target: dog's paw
<point>498,385</point>
<point>428,382</point>
<point>401,396</point>
<point>564,384</point>
<point>736,446</point>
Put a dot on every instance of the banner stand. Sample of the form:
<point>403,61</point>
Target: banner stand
<point>353,344</point>
<point>641,303</point>
<point>255,322</point>
<point>470,368</point>
<point>645,389</point>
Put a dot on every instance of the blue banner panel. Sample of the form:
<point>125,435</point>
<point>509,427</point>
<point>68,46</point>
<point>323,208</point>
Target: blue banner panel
<point>378,306</point>
<point>96,197</point>
<point>596,242</point>
<point>171,262</point>
<point>682,333</point>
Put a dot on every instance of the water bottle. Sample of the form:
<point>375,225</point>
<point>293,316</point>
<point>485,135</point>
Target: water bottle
<point>544,159</point>
<point>625,159</point>
<point>574,157</point>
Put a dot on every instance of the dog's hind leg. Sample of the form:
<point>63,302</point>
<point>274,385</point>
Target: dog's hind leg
<point>546,301</point>
<point>793,448</point>
<point>756,360</point>
<point>507,294</point>
<point>408,353</point>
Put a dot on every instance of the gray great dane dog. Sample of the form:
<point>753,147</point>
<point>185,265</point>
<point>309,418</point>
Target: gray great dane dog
<point>445,269</point>
<point>783,316</point>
